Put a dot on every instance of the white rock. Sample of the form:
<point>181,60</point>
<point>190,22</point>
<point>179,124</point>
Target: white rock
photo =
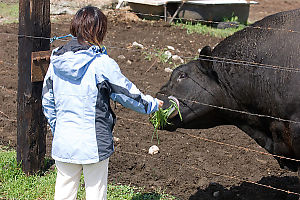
<point>168,54</point>
<point>129,62</point>
<point>153,150</point>
<point>171,48</point>
<point>135,44</point>
<point>177,58</point>
<point>122,57</point>
<point>168,70</point>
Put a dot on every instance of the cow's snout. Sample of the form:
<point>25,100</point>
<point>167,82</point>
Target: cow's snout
<point>174,109</point>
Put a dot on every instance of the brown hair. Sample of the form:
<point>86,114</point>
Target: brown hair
<point>89,24</point>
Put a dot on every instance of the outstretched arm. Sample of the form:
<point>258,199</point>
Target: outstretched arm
<point>126,93</point>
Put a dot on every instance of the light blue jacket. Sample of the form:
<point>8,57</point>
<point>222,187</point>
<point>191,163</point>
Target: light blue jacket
<point>77,90</point>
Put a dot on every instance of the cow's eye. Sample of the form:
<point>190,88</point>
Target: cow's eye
<point>182,75</point>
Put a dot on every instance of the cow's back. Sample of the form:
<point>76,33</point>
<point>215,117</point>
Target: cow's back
<point>270,47</point>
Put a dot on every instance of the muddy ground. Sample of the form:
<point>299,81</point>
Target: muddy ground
<point>187,167</point>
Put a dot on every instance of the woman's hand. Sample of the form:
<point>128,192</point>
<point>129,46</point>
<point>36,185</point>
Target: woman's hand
<point>160,103</point>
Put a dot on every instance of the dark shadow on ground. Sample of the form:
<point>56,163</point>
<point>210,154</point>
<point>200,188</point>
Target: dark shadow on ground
<point>249,191</point>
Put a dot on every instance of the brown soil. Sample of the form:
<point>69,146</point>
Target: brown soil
<point>186,167</point>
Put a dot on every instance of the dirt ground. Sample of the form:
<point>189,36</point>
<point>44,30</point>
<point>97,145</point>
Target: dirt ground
<point>186,167</point>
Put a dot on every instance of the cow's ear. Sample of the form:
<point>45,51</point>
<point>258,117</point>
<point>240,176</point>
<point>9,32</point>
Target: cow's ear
<point>205,57</point>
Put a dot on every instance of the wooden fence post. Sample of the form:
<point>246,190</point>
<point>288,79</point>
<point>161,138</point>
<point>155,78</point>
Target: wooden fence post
<point>34,20</point>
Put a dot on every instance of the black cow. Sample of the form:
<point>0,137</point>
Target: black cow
<point>256,70</point>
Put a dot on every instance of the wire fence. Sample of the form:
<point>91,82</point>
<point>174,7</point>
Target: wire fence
<point>5,116</point>
<point>204,21</point>
<point>203,170</point>
<point>203,57</point>
<point>219,143</point>
<point>246,149</point>
<point>160,16</point>
<point>213,173</point>
<point>226,108</point>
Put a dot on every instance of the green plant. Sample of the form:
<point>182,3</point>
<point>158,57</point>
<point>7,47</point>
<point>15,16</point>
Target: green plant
<point>208,30</point>
<point>160,118</point>
<point>162,56</point>
<point>147,55</point>
<point>233,18</point>
<point>14,184</point>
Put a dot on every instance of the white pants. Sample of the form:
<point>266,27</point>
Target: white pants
<point>68,178</point>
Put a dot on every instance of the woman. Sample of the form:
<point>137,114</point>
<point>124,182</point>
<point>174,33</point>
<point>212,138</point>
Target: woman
<point>78,86</point>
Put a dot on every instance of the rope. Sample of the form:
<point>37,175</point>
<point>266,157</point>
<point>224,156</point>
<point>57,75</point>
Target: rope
<point>61,37</point>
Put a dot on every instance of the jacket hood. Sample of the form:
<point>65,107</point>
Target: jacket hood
<point>72,60</point>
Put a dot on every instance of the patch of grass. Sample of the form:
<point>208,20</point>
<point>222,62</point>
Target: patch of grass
<point>208,30</point>
<point>9,12</point>
<point>14,184</point>
<point>158,54</point>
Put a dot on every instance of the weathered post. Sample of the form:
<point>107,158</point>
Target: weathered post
<point>34,20</point>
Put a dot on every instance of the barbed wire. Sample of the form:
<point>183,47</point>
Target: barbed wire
<point>209,140</point>
<point>212,173</point>
<point>217,59</point>
<point>180,18</point>
<point>216,142</point>
<point>220,60</point>
<point>205,58</point>
<point>232,61</point>
<point>205,21</point>
<point>237,111</point>
<point>223,108</point>
<point>190,135</point>
<point>236,146</point>
<point>242,180</point>
<point>234,110</point>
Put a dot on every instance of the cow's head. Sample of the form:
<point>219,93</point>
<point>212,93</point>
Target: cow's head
<point>195,85</point>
